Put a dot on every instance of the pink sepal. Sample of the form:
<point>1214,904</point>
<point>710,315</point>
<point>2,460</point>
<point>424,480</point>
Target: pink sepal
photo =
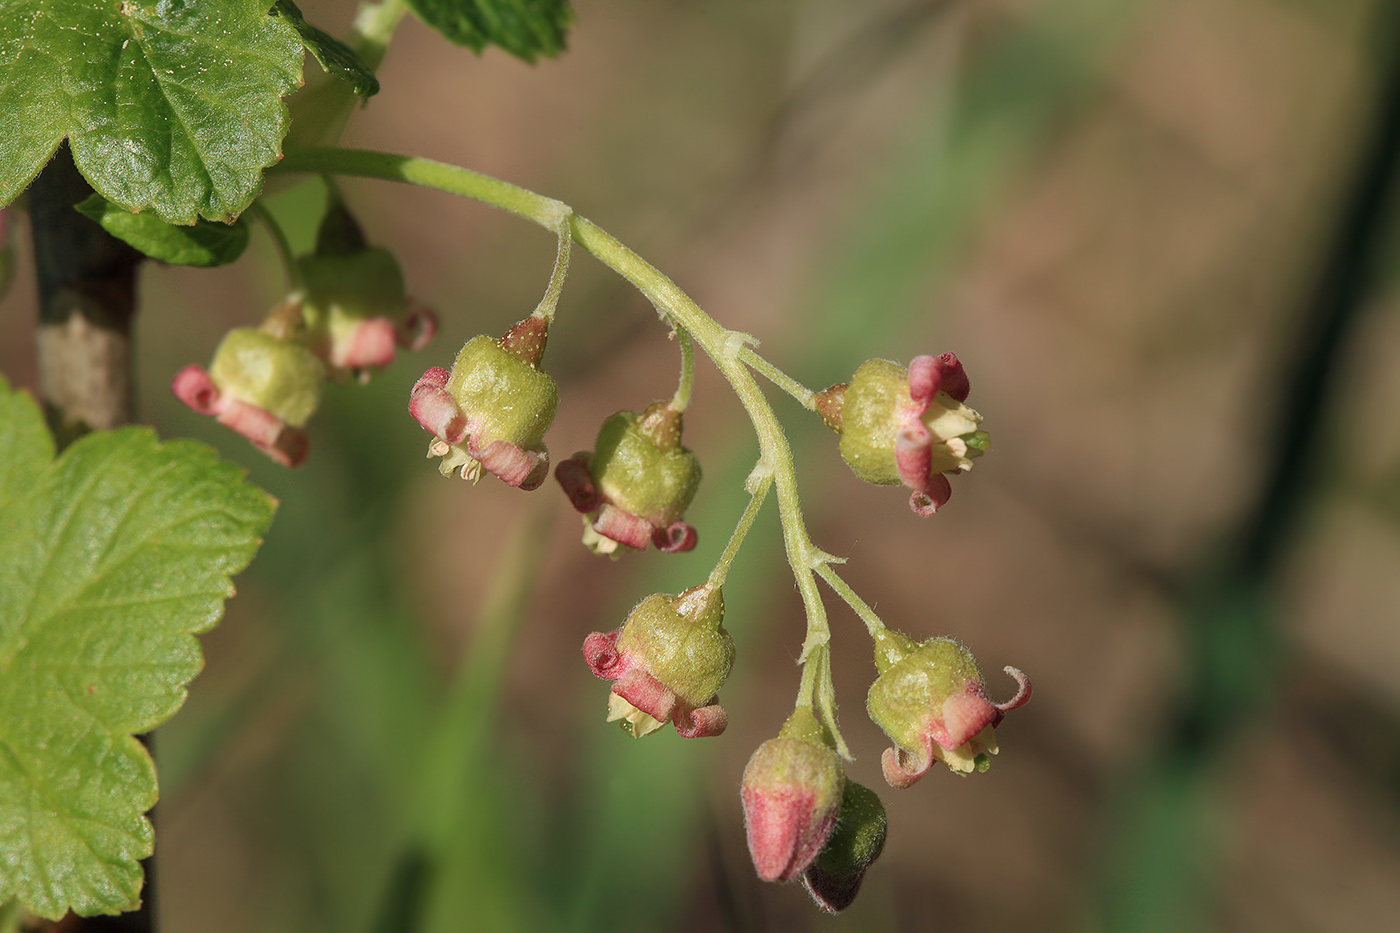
<point>601,655</point>
<point>646,693</point>
<point>929,375</point>
<point>432,406</point>
<point>515,467</point>
<point>573,475</point>
<point>195,388</point>
<point>701,723</point>
<point>622,527</point>
<point>370,344</point>
<point>924,504</point>
<point>680,536</point>
<point>283,443</point>
<point>902,769</point>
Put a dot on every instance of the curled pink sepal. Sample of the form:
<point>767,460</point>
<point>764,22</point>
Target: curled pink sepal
<point>285,444</point>
<point>513,465</point>
<point>418,326</point>
<point>679,536</point>
<point>929,375</point>
<point>622,527</point>
<point>578,485</point>
<point>433,407</point>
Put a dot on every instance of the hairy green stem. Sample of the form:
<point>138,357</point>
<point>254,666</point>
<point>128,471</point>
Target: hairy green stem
<point>760,481</point>
<point>681,400</point>
<point>873,625</point>
<point>550,301</point>
<point>723,346</point>
<point>782,380</point>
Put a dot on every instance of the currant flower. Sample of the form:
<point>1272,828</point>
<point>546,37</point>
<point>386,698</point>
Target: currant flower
<point>492,410</point>
<point>931,701</point>
<point>667,663</point>
<point>791,793</point>
<point>906,426</point>
<point>357,311</point>
<point>634,487</point>
<point>261,385</point>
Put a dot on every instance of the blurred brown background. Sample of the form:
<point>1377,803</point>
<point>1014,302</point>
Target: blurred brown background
<point>1116,213</point>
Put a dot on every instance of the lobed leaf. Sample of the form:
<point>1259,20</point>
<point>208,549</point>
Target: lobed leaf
<point>111,557</point>
<point>526,29</point>
<point>334,57</point>
<point>203,244</point>
<point>169,105</point>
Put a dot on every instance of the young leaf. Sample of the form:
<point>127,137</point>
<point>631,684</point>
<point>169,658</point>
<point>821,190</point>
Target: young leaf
<point>171,107</point>
<point>205,244</point>
<point>526,29</point>
<point>111,558</point>
<point>334,56</point>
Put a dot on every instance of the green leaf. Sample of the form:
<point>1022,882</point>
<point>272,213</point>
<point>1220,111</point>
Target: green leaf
<point>111,558</point>
<point>169,105</point>
<point>205,244</point>
<point>526,29</point>
<point>334,56</point>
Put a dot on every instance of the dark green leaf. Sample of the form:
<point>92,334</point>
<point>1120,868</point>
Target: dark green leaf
<point>111,558</point>
<point>204,244</point>
<point>169,105</point>
<point>526,29</point>
<point>334,56</point>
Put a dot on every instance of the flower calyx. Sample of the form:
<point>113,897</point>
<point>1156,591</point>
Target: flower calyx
<point>262,383</point>
<point>667,663</point>
<point>634,486</point>
<point>490,412</point>
<point>931,701</point>
<point>792,792</point>
<point>353,299</point>
<point>834,877</point>
<point>906,426</point>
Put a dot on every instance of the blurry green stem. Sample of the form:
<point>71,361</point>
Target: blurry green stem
<point>279,240</point>
<point>723,346</point>
<point>681,400</point>
<point>9,916</point>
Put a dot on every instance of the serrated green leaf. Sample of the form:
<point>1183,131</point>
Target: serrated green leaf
<point>526,29</point>
<point>334,57</point>
<point>173,106</point>
<point>204,244</point>
<point>111,558</point>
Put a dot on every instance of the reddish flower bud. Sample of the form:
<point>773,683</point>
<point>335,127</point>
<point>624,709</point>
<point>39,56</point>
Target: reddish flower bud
<point>636,484</point>
<point>834,878</point>
<point>906,426</point>
<point>489,413</point>
<point>931,701</point>
<point>263,387</point>
<point>792,796</point>
<point>667,662</point>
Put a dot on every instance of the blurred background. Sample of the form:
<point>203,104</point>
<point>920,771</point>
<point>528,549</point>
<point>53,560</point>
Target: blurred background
<point>1156,234</point>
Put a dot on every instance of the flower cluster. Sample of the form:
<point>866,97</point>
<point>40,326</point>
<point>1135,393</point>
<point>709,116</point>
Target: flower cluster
<point>347,316</point>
